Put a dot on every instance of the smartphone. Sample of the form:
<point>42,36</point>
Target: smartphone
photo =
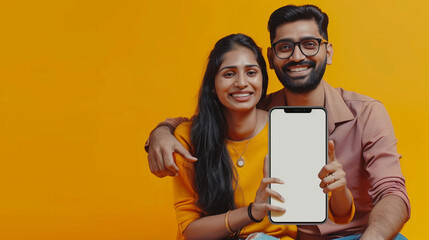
<point>298,148</point>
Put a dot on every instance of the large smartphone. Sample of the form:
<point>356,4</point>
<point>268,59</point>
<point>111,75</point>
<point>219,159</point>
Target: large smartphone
<point>297,152</point>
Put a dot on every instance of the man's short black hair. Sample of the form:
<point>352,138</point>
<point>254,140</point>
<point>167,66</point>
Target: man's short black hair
<point>292,13</point>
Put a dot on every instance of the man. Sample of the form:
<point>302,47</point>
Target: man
<point>365,142</point>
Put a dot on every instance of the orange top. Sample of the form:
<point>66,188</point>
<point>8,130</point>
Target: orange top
<point>249,179</point>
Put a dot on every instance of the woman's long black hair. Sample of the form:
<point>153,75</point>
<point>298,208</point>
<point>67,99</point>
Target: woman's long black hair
<point>214,173</point>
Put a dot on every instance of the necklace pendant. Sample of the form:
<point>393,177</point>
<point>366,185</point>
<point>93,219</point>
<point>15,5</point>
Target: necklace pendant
<point>240,162</point>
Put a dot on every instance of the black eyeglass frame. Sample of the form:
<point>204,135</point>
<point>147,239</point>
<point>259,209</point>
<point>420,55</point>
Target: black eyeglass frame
<point>319,40</point>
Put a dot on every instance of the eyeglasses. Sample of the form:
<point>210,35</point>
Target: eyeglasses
<point>308,46</point>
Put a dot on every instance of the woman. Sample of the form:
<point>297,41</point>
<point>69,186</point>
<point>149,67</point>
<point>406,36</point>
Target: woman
<point>228,135</point>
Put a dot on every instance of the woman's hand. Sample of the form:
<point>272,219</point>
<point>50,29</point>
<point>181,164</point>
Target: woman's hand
<point>260,206</point>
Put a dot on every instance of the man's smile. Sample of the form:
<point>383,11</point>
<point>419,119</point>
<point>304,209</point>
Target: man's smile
<point>299,71</point>
<point>298,68</point>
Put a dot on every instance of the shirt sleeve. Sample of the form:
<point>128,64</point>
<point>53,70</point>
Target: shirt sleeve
<point>172,123</point>
<point>343,219</point>
<point>185,196</point>
<point>380,155</point>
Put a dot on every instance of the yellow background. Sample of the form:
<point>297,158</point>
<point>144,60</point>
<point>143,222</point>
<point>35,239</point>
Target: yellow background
<point>82,83</point>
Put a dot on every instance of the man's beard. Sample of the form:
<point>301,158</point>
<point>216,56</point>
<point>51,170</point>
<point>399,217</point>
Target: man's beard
<point>291,83</point>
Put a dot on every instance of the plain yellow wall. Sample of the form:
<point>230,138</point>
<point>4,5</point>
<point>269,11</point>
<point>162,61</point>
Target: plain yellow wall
<point>82,83</point>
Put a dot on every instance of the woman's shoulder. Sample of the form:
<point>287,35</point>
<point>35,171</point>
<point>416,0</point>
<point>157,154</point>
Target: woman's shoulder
<point>183,134</point>
<point>183,129</point>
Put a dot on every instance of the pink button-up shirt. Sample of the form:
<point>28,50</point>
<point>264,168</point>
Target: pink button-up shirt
<point>365,145</point>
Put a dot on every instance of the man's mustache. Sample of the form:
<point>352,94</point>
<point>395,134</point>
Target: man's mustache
<point>301,63</point>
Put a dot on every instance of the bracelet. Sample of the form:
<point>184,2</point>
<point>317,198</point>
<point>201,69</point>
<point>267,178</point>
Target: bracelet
<point>249,212</point>
<point>226,222</point>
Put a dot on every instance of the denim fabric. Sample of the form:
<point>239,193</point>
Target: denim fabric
<point>261,236</point>
<point>357,237</point>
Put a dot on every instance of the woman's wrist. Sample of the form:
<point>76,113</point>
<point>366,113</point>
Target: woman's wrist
<point>249,213</point>
<point>238,218</point>
<point>227,222</point>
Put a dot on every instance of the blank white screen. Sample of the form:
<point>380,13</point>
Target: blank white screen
<point>297,154</point>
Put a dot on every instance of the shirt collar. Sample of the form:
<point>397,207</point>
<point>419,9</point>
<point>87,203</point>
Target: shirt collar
<point>337,109</point>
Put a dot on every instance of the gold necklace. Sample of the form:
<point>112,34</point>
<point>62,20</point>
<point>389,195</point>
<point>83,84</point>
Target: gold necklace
<point>240,161</point>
